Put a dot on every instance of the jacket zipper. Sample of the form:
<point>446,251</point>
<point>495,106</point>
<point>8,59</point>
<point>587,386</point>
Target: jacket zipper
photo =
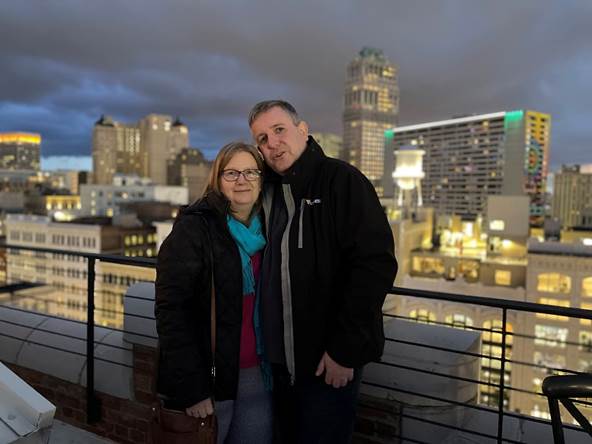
<point>303,201</point>
<point>300,230</point>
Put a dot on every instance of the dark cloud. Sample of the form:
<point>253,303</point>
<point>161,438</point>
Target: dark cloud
<point>65,63</point>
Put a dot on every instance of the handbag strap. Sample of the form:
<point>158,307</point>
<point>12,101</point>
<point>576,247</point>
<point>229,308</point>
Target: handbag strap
<point>212,309</point>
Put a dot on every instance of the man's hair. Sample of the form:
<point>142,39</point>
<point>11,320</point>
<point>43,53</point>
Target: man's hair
<point>266,105</point>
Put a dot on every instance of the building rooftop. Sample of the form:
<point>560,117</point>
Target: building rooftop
<point>559,248</point>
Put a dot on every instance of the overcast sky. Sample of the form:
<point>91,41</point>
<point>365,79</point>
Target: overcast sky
<point>64,63</point>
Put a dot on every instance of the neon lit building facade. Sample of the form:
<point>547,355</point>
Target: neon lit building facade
<point>469,158</point>
<point>20,151</point>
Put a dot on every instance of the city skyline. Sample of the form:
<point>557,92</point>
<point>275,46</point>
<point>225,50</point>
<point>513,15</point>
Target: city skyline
<point>209,65</point>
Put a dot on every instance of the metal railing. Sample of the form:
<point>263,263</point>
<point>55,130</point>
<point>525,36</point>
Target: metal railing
<point>504,306</point>
<point>93,408</point>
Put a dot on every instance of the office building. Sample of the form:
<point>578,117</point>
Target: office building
<point>559,274</point>
<point>469,158</point>
<point>191,170</point>
<point>20,151</point>
<point>143,149</point>
<point>572,196</point>
<point>332,144</point>
<point>59,207</point>
<point>106,200</point>
<point>62,277</point>
<point>161,140</point>
<point>371,102</point>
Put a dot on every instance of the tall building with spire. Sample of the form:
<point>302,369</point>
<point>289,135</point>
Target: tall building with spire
<point>371,100</point>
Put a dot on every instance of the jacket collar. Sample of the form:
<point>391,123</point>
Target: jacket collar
<point>213,203</point>
<point>303,170</point>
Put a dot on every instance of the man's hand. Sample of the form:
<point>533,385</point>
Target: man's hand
<point>201,409</point>
<point>335,374</point>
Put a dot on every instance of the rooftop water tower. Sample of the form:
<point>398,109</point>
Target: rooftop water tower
<point>407,176</point>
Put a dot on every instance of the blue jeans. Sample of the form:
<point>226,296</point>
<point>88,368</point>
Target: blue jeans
<point>313,412</point>
<point>248,418</point>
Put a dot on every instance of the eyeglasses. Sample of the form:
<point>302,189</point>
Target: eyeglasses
<point>233,175</point>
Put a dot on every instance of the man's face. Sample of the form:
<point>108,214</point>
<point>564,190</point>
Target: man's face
<point>280,141</point>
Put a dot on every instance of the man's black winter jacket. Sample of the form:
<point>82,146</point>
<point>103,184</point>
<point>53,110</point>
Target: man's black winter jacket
<point>340,263</point>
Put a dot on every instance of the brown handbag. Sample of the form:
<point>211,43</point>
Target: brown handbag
<point>175,426</point>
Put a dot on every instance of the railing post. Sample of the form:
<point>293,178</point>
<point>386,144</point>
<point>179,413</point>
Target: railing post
<point>93,408</point>
<point>500,413</point>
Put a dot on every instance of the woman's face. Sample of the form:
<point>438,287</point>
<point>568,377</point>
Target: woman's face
<point>241,193</point>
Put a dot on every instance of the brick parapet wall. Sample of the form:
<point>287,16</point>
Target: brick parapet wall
<point>122,420</point>
<point>127,421</point>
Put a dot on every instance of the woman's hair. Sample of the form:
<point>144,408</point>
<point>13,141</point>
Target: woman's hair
<point>224,156</point>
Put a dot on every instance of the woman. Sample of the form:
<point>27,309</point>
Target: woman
<point>224,225</point>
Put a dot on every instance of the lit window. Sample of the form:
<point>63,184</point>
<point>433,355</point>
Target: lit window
<point>550,336</point>
<point>494,333</point>
<point>586,306</point>
<point>459,320</point>
<point>503,277</point>
<point>423,315</point>
<point>497,225</point>
<point>553,283</point>
<point>587,286</point>
<point>556,303</point>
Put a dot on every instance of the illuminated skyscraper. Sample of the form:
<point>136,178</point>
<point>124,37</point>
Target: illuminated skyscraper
<point>20,151</point>
<point>468,158</point>
<point>371,107</point>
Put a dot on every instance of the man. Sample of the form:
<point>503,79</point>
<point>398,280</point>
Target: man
<point>326,270</point>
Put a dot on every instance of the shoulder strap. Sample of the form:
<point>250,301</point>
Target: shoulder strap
<point>212,307</point>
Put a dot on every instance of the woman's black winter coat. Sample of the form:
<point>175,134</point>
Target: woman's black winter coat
<point>182,309</point>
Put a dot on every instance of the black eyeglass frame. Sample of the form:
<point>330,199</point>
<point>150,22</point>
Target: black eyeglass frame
<point>257,174</point>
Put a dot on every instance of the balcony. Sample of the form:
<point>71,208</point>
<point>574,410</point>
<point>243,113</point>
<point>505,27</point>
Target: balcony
<point>456,368</point>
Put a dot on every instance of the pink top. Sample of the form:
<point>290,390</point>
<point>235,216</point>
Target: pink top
<point>248,346</point>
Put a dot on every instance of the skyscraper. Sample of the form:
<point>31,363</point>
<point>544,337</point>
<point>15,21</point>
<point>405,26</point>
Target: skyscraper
<point>469,158</point>
<point>572,196</point>
<point>115,149</point>
<point>143,149</point>
<point>371,102</point>
<point>161,140</point>
<point>20,151</point>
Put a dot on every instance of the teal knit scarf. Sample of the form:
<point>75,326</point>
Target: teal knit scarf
<point>249,240</point>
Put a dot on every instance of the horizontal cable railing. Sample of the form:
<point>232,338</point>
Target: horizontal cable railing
<point>86,271</point>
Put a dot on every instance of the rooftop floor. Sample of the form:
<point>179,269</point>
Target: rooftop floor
<point>63,433</point>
